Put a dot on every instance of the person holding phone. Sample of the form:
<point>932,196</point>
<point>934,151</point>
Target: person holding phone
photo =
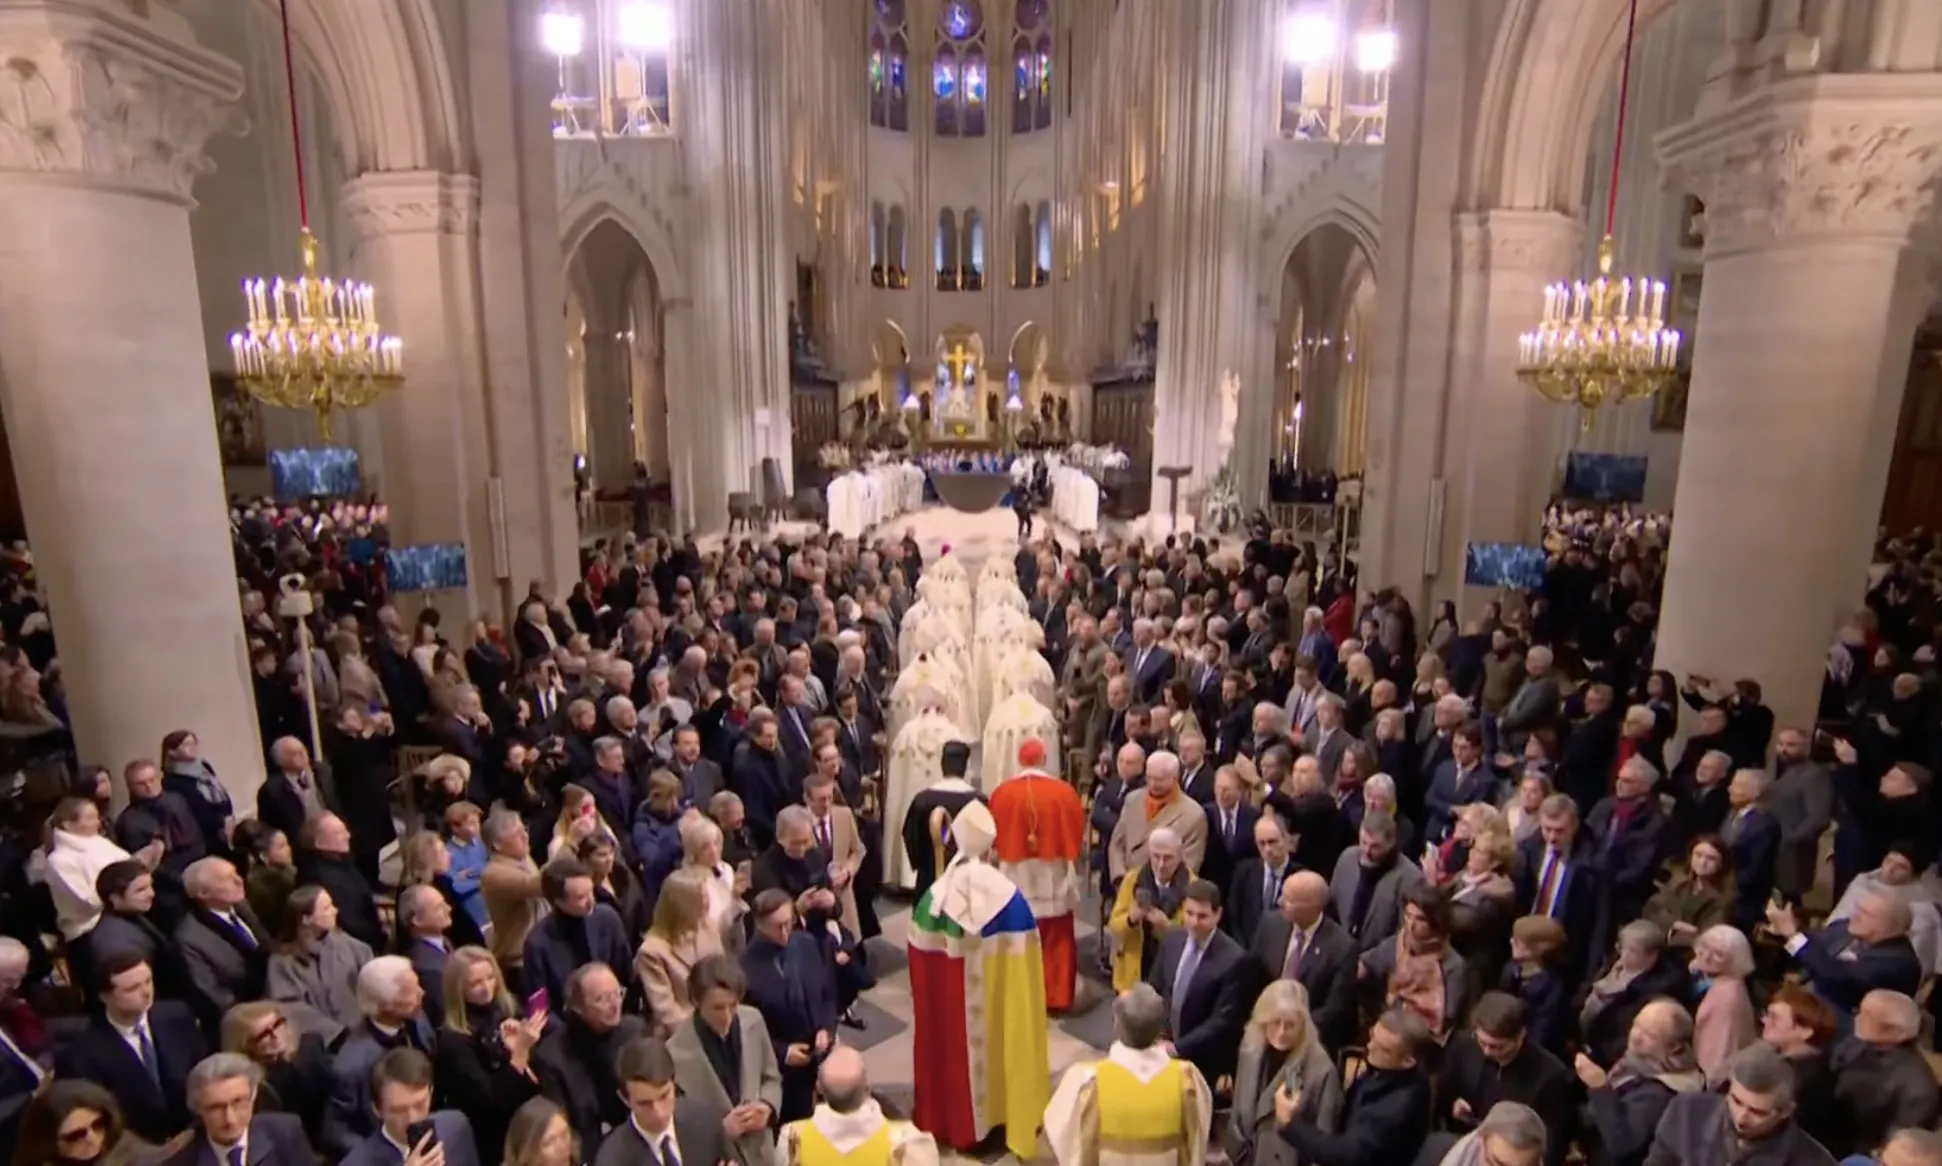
<point>409,1133</point>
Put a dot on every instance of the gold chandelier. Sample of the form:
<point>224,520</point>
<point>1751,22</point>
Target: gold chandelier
<point>1602,341</point>
<point>312,342</point>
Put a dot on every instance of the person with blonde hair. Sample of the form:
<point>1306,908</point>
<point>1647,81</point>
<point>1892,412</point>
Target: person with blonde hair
<point>296,1067</point>
<point>1280,1049</point>
<point>484,1055</point>
<point>539,1135</point>
<point>675,942</point>
<point>1723,1021</point>
<point>723,886</point>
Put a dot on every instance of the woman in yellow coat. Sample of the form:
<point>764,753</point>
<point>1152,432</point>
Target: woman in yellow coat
<point>1148,903</point>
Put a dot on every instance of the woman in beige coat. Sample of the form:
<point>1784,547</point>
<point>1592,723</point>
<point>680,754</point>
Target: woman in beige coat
<point>675,942</point>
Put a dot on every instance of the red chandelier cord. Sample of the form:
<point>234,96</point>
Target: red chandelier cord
<point>296,126</point>
<point>1618,144</point>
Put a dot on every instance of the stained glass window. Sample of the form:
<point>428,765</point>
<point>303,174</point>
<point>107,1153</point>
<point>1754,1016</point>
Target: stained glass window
<point>961,19</point>
<point>974,94</point>
<point>944,87</point>
<point>888,98</point>
<point>1031,107</point>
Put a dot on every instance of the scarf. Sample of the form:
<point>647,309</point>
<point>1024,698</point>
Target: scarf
<point>1365,892</point>
<point>212,791</point>
<point>1167,898</point>
<point>1156,804</point>
<point>724,1055</point>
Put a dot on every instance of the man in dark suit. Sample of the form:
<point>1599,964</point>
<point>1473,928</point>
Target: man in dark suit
<point>660,1120</point>
<point>1630,837</point>
<point>1753,835</point>
<point>1149,664</point>
<point>1852,957</point>
<point>222,1095</point>
<point>791,984</point>
<point>1495,1062</point>
<point>579,929</point>
<point>224,945</point>
<point>1301,942</point>
<point>153,814</point>
<point>1203,976</point>
<point>1331,739</point>
<point>575,1062</point>
<point>423,919</point>
<point>1255,888</point>
<point>138,1048</point>
<point>127,894</point>
<point>1230,832</point>
<point>393,1003</point>
<point>792,714</point>
<point>401,1091</point>
<point>296,791</point>
<point>1556,876</point>
<point>857,736</point>
<point>701,778</point>
<point>1196,772</point>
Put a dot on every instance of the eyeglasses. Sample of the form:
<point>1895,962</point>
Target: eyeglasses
<point>277,1025</point>
<point>98,1128</point>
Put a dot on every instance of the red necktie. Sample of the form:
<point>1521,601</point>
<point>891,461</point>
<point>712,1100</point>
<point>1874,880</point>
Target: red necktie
<point>1553,867</point>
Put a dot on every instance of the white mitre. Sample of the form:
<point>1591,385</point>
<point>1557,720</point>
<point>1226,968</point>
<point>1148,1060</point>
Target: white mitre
<point>970,893</point>
<point>947,568</point>
<point>1016,719</point>
<point>1021,668</point>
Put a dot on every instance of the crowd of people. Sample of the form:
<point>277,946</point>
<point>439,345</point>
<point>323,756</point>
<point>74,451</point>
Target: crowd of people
<point>597,887</point>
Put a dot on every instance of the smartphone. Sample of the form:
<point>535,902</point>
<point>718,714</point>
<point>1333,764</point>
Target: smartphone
<point>1143,898</point>
<point>538,1004</point>
<point>419,1131</point>
<point>1777,899</point>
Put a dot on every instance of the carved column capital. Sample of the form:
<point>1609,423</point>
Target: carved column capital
<point>411,202</point>
<point>1545,242</point>
<point>1821,157</point>
<point>110,95</point>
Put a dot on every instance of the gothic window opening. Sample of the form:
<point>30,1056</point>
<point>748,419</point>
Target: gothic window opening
<point>1031,100</point>
<point>1024,248</point>
<point>889,65</point>
<point>614,62</point>
<point>946,250</point>
<point>896,250</point>
<point>960,73</point>
<point>1042,272</point>
<point>971,252</point>
<point>879,245</point>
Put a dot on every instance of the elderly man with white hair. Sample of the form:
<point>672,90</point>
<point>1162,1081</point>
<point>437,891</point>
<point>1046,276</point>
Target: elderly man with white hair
<point>1633,835</point>
<point>392,1000</point>
<point>1163,806</point>
<point>1149,663</point>
<point>1846,960</point>
<point>23,1039</point>
<point>1882,1082</point>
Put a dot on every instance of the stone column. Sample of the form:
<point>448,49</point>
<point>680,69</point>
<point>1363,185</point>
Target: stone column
<point>105,382</point>
<point>735,133</point>
<point>407,230</point>
<point>1813,189</point>
<point>1500,434</point>
<point>1213,74</point>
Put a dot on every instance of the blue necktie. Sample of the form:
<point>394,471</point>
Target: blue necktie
<point>235,1156</point>
<point>1189,964</point>
<point>150,1061</point>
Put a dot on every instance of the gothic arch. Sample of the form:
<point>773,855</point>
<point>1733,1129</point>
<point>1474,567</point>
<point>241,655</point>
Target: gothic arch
<point>1359,221</point>
<point>384,67</point>
<point>591,207</point>
<point>1550,62</point>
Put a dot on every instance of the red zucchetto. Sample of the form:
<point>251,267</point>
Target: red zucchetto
<point>1032,753</point>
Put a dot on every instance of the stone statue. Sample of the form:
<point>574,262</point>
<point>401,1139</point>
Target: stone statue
<point>1230,412</point>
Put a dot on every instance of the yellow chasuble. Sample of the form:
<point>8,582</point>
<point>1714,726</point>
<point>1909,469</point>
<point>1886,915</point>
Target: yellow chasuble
<point>813,1149</point>
<point>1135,1116</point>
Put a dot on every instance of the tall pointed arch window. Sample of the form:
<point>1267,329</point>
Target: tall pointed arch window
<point>960,71</point>
<point>971,252</point>
<point>1031,40</point>
<point>946,250</point>
<point>879,245</point>
<point>889,65</point>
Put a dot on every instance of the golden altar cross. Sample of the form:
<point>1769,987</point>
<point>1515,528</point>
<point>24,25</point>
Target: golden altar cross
<point>958,358</point>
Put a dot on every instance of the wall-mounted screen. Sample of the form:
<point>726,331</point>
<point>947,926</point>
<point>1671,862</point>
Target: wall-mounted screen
<point>1515,565</point>
<point>1604,477</point>
<point>329,471</point>
<point>426,567</point>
